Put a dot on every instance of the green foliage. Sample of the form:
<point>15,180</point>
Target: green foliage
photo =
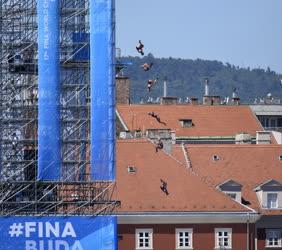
<point>186,78</point>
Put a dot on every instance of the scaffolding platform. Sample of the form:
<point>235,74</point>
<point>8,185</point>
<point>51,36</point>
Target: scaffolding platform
<point>21,193</point>
<point>35,198</point>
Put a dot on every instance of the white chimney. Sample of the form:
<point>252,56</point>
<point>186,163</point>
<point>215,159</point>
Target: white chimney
<point>234,94</point>
<point>263,137</point>
<point>207,91</point>
<point>243,138</point>
<point>165,87</point>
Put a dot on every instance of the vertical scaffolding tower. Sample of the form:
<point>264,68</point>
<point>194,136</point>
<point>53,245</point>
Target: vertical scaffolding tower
<point>20,192</point>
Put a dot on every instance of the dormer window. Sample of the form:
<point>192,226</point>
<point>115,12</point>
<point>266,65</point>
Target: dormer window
<point>269,194</point>
<point>231,195</point>
<point>186,123</point>
<point>272,200</point>
<point>232,189</point>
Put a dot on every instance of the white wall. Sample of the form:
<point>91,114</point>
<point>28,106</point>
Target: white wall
<point>277,136</point>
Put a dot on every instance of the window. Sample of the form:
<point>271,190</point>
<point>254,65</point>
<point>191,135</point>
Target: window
<point>186,123</point>
<point>215,158</point>
<point>272,200</point>
<point>266,122</point>
<point>273,122</point>
<point>184,238</point>
<point>273,238</point>
<point>279,122</point>
<point>223,238</point>
<point>144,239</point>
<point>232,195</point>
<point>131,169</point>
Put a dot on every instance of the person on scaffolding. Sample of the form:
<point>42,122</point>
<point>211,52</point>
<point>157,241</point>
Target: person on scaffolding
<point>150,83</point>
<point>147,66</point>
<point>140,47</point>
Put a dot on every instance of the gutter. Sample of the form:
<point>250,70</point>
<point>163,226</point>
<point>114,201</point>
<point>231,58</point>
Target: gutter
<point>204,139</point>
<point>187,217</point>
<point>196,213</point>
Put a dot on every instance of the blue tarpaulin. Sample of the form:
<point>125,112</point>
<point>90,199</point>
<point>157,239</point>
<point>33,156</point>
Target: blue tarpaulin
<point>81,46</point>
<point>102,51</point>
<point>58,233</point>
<point>49,142</point>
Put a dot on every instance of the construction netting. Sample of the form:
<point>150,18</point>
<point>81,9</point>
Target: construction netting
<point>49,134</point>
<point>102,75</point>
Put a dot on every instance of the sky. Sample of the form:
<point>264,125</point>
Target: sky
<point>245,33</point>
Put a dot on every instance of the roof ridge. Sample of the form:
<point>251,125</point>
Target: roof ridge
<point>186,156</point>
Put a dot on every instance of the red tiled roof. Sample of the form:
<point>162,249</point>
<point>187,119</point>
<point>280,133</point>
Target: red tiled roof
<point>207,120</point>
<point>141,192</point>
<point>249,165</point>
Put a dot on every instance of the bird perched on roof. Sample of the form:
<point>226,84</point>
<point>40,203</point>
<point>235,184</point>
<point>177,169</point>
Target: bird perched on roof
<point>140,48</point>
<point>150,83</point>
<point>147,66</point>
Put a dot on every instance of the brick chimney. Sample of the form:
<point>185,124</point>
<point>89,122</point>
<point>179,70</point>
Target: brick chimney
<point>122,90</point>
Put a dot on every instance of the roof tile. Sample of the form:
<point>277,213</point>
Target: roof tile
<point>141,192</point>
<point>207,120</point>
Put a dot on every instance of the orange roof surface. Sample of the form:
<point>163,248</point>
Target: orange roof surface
<point>207,120</point>
<point>141,192</point>
<point>249,165</point>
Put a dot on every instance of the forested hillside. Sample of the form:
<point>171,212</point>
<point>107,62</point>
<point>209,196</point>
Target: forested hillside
<point>186,79</point>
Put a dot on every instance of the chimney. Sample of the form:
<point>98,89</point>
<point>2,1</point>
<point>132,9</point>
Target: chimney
<point>234,94</point>
<point>243,138</point>
<point>169,100</point>
<point>194,100</point>
<point>215,100</point>
<point>207,90</point>
<point>263,137</point>
<point>236,101</point>
<point>122,90</point>
<point>235,98</point>
<point>207,99</point>
<point>167,137</point>
<point>165,87</point>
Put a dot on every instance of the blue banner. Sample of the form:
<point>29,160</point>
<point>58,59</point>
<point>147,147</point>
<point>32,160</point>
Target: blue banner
<point>81,44</point>
<point>58,233</point>
<point>49,142</point>
<point>102,77</point>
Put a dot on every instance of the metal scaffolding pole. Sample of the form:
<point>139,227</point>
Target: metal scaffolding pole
<point>20,192</point>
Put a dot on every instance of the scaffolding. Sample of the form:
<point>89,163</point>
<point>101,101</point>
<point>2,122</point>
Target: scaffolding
<point>20,192</point>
